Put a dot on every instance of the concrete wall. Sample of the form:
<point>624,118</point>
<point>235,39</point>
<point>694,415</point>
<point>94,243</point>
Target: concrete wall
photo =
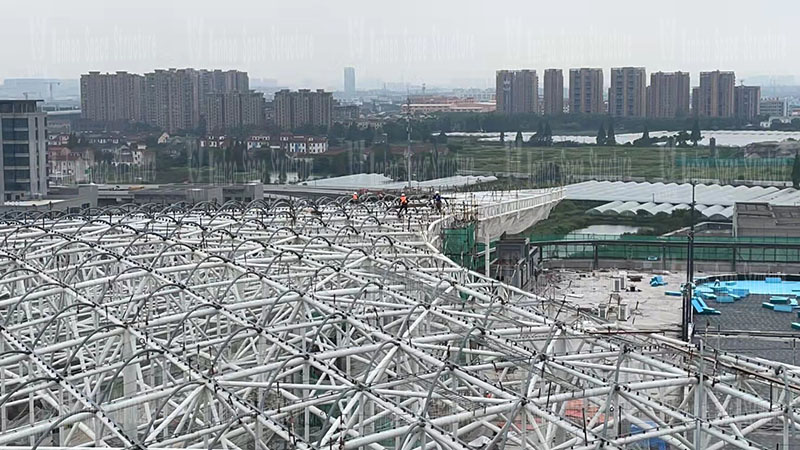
<point>83,197</point>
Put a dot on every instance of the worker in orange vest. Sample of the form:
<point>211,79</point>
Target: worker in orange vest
<point>355,197</point>
<point>403,203</point>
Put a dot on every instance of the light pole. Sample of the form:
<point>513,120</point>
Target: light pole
<point>688,312</point>
<point>408,131</point>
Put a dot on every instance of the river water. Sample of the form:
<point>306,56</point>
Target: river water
<point>617,230</point>
<point>724,138</point>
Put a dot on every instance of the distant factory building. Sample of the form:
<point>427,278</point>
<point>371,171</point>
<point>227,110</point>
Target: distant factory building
<point>747,102</point>
<point>774,107</point>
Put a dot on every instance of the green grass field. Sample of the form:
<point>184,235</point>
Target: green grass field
<point>613,162</point>
<point>570,215</point>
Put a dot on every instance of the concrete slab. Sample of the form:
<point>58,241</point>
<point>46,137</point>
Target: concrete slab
<point>650,307</point>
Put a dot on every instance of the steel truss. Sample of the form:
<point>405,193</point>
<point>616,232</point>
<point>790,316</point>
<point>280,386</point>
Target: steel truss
<point>332,325</point>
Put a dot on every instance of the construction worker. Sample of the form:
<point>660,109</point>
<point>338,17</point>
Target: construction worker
<point>355,197</point>
<point>437,201</point>
<point>403,204</point>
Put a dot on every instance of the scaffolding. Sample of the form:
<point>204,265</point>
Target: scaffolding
<point>331,324</point>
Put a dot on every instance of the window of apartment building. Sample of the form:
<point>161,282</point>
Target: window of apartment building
<point>11,160</point>
<point>14,129</point>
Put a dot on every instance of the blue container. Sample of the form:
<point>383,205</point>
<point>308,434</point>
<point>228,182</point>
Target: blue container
<point>779,300</point>
<point>724,299</point>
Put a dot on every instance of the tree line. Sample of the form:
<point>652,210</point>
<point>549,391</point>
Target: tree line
<point>569,123</point>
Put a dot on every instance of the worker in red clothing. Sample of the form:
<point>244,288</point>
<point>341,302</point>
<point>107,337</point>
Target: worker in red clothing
<point>403,204</point>
<point>355,197</point>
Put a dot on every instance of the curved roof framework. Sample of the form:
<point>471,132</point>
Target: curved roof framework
<point>330,325</point>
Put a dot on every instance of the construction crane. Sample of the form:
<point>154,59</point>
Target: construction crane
<point>50,87</point>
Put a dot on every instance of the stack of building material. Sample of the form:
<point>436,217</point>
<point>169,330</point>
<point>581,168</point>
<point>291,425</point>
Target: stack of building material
<point>781,304</point>
<point>657,280</point>
<point>701,307</point>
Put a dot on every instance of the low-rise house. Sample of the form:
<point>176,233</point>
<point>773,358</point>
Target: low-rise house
<point>289,143</point>
<point>134,154</point>
<point>70,166</point>
<point>58,139</point>
<point>215,141</point>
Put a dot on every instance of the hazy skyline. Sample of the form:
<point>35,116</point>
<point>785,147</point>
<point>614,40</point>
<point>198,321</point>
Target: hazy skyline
<point>308,43</point>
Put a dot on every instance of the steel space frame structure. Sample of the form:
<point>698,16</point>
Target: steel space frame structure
<point>333,325</point>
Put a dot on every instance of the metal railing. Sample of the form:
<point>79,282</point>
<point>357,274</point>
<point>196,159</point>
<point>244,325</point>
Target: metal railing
<point>473,210</point>
<point>663,239</point>
<point>517,205</point>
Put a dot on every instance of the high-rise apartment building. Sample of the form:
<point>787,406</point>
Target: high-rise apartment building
<point>747,101</point>
<point>668,95</point>
<point>157,99</point>
<point>235,81</point>
<point>627,96</point>
<point>553,92</point>
<point>517,91</point>
<point>214,107</point>
<point>303,107</point>
<point>94,103</point>
<point>254,108</point>
<point>349,82</point>
<point>715,95</point>
<point>586,91</point>
<point>116,97</point>
<point>23,144</point>
<point>224,111</point>
<point>222,81</point>
<point>184,99</point>
<point>173,100</point>
<point>226,101</point>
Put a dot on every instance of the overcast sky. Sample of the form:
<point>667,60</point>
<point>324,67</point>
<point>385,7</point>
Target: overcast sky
<point>306,43</point>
